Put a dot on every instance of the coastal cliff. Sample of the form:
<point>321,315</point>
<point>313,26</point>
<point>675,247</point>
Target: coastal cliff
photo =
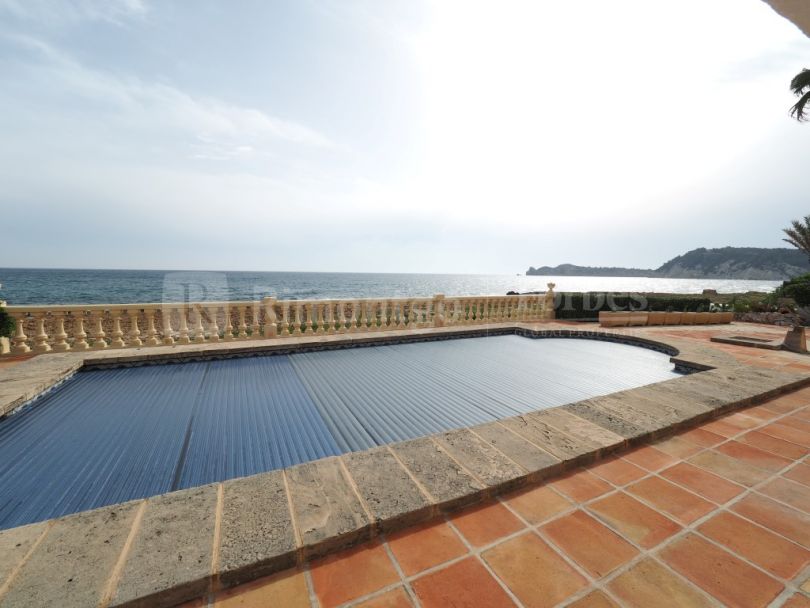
<point>754,263</point>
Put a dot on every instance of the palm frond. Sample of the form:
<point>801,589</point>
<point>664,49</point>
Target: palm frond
<point>798,111</point>
<point>800,82</point>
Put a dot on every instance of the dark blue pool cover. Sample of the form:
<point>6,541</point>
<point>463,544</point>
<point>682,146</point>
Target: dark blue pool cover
<point>109,436</point>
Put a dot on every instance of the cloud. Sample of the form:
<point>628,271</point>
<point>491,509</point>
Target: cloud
<point>64,12</point>
<point>156,105</point>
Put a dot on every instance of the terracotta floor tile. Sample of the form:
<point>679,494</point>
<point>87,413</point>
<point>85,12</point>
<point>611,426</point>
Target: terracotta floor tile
<point>634,520</point>
<point>465,584</point>
<point>352,574</point>
<point>783,520</point>
<point>802,414</point>
<point>425,546</point>
<point>796,422</point>
<point>677,447</point>
<point>741,420</point>
<point>702,437</point>
<point>707,485</point>
<point>595,599</point>
<point>581,486</point>
<point>789,492</point>
<point>721,427</point>
<point>760,413</point>
<point>287,588</point>
<point>776,446</point>
<point>650,458</point>
<point>781,431</point>
<point>729,468</point>
<point>649,584</point>
<point>617,471</point>
<point>534,572</point>
<point>396,598</point>
<point>797,600</point>
<point>786,403</point>
<point>753,456</point>
<point>721,574</point>
<point>773,553</point>
<point>589,543</point>
<point>681,504</point>
<point>484,524</point>
<point>800,473</point>
<point>538,504</point>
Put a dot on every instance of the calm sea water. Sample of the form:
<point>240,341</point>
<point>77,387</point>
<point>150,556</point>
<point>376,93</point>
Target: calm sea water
<point>48,286</point>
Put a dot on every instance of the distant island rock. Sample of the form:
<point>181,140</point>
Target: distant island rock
<point>754,263</point>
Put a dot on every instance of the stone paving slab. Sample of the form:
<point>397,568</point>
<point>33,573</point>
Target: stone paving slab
<point>257,533</point>
<point>392,495</point>
<point>327,509</point>
<point>447,483</point>
<point>171,553</point>
<point>519,450</point>
<point>71,566</point>
<point>178,546</point>
<point>490,466</point>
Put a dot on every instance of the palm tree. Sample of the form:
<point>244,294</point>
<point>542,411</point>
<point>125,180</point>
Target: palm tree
<point>800,85</point>
<point>799,233</point>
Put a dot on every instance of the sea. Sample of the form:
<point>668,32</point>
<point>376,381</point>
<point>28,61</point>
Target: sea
<point>29,286</point>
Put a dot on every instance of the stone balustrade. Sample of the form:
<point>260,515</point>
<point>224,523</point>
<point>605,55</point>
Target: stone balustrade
<point>43,329</point>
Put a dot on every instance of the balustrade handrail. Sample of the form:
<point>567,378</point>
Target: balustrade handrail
<point>64,327</point>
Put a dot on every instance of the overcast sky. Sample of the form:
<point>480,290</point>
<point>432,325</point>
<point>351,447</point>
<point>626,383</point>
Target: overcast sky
<point>394,136</point>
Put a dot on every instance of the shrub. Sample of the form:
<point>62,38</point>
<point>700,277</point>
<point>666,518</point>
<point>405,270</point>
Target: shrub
<point>7,324</point>
<point>798,289</point>
<point>588,305</point>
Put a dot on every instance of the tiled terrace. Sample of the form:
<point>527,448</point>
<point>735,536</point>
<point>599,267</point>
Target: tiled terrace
<point>658,526</point>
<point>718,515</point>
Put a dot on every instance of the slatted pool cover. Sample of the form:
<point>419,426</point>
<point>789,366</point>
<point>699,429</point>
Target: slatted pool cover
<point>109,436</point>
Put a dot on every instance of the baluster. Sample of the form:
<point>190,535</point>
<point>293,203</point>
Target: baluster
<point>213,326</point>
<point>199,330</point>
<point>41,338</point>
<point>79,335</point>
<point>182,330</point>
<point>270,327</point>
<point>471,312</point>
<point>320,313</point>
<point>354,321</point>
<point>411,314</point>
<point>285,318</point>
<point>151,332</point>
<point>242,323</point>
<point>59,336</point>
<point>20,338</point>
<point>341,312</point>
<point>117,335</point>
<point>166,325</point>
<point>329,316</point>
<point>372,316</point>
<point>297,320</point>
<point>228,337</point>
<point>308,325</point>
<point>255,324</point>
<point>365,323</point>
<point>99,343</point>
<point>397,314</point>
<point>383,315</point>
<point>134,332</point>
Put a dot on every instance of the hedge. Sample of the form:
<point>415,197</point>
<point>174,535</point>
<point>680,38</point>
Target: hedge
<point>587,305</point>
<point>7,324</point>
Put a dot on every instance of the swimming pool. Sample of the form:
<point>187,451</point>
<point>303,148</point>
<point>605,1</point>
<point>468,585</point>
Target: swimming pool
<point>108,436</point>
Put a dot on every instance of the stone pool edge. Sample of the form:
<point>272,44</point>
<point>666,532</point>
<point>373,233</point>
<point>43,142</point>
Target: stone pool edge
<point>167,549</point>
